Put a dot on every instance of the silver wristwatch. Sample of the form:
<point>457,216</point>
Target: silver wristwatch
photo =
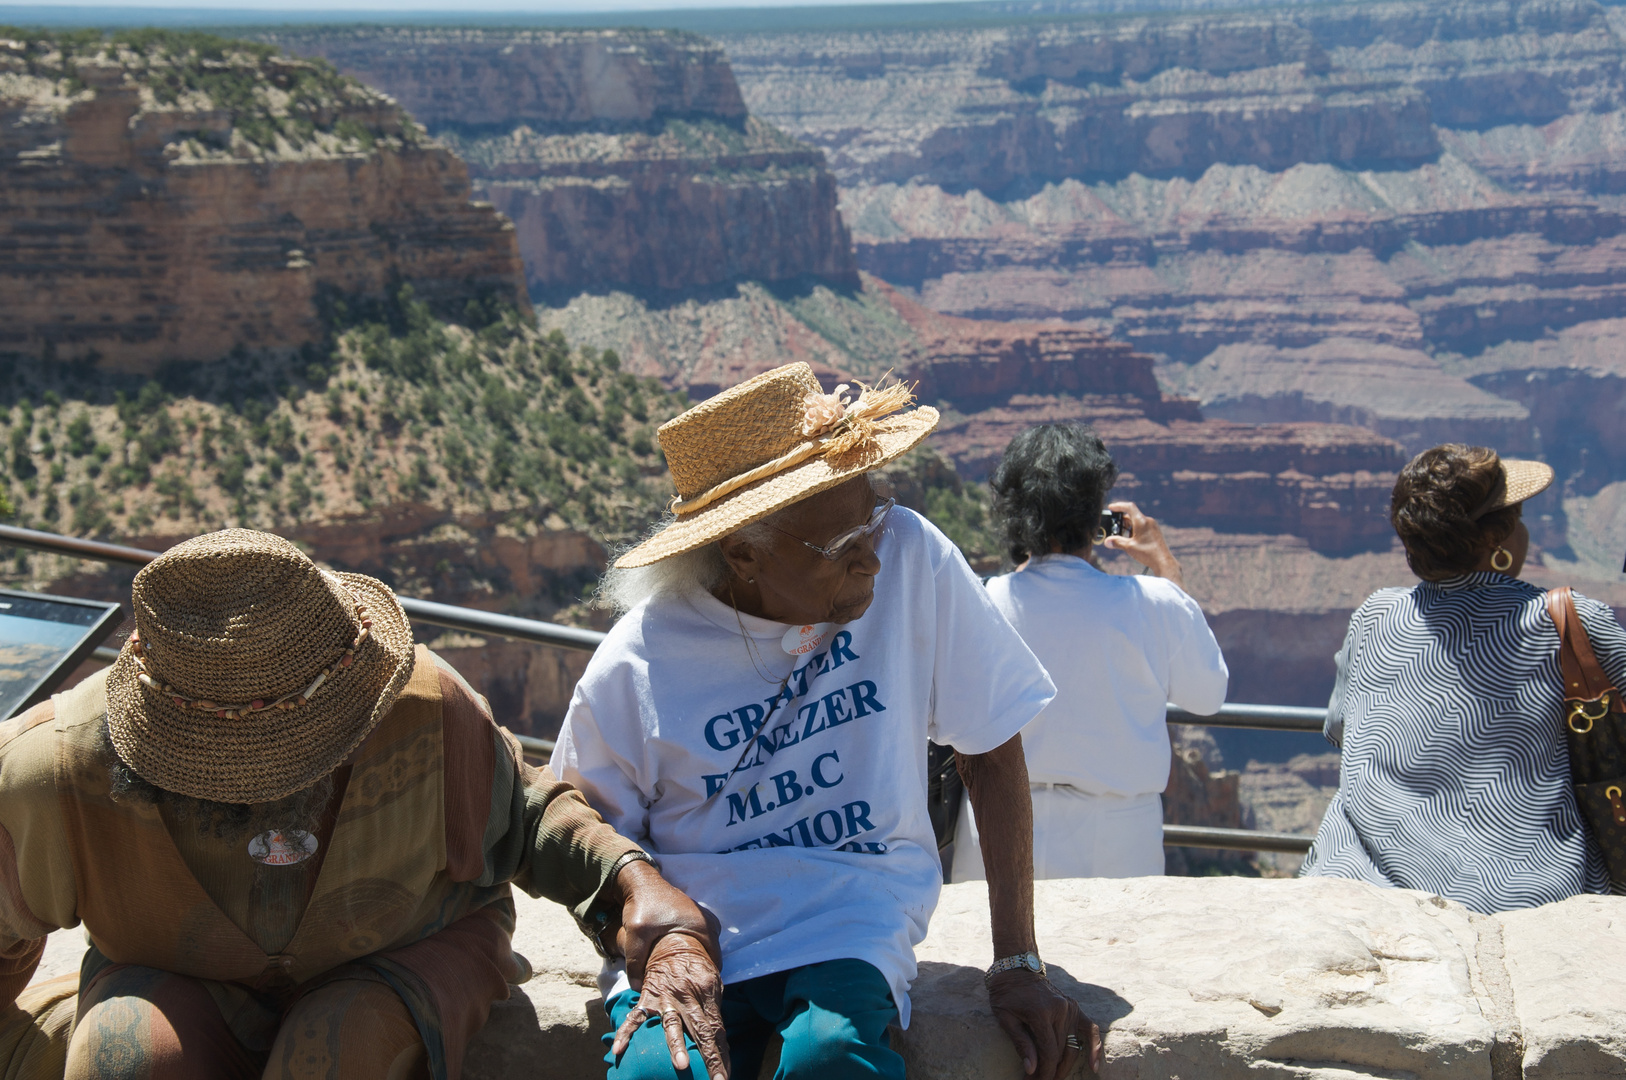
<point>1028,960</point>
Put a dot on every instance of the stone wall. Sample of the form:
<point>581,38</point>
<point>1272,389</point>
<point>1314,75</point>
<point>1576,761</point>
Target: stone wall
<point>1197,979</point>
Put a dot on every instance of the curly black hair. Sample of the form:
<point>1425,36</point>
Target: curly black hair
<point>1436,509</point>
<point>1049,487</point>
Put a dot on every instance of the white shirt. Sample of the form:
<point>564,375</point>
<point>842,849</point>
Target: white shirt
<point>819,847</point>
<point>1119,649</point>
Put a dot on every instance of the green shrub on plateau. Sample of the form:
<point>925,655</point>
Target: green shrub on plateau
<point>277,103</point>
<point>398,407</point>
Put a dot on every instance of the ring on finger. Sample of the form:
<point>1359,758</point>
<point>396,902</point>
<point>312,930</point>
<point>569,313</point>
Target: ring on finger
<point>1073,1043</point>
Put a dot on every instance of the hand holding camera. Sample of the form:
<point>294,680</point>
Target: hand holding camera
<point>1141,538</point>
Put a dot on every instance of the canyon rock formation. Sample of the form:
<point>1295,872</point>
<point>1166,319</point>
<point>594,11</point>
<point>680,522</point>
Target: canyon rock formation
<point>1401,215</point>
<point>624,158</point>
<point>165,205</point>
<point>1324,482</point>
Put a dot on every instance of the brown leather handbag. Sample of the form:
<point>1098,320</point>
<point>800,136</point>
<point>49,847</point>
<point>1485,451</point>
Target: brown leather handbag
<point>1595,727</point>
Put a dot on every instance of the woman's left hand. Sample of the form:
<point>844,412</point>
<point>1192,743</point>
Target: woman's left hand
<point>674,963</point>
<point>1145,543</point>
<point>1039,1020</point>
<point>681,985</point>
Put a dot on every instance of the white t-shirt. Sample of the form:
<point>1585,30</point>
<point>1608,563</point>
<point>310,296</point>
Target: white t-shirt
<point>1119,649</point>
<point>819,846</point>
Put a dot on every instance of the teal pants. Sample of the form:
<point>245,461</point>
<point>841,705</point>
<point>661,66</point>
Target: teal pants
<point>832,1016</point>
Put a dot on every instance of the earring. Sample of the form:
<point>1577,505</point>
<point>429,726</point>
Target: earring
<point>750,581</point>
<point>1502,560</point>
<point>1100,536</point>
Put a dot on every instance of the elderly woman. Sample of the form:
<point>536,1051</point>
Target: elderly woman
<point>758,721</point>
<point>1455,777</point>
<point>1118,647</point>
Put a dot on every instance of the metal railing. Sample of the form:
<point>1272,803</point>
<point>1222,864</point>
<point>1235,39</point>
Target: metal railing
<point>450,616</point>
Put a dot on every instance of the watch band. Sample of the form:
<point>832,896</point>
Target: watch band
<point>1028,961</point>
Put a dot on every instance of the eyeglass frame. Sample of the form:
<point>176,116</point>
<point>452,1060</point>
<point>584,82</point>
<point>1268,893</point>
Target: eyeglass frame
<point>841,543</point>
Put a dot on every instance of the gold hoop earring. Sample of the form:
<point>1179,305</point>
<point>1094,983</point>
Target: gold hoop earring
<point>1100,536</point>
<point>1502,560</point>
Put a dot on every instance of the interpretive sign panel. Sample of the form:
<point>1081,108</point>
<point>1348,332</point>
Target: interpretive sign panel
<point>42,639</point>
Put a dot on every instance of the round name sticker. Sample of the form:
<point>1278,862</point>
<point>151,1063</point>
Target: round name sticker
<point>282,848</point>
<point>801,640</point>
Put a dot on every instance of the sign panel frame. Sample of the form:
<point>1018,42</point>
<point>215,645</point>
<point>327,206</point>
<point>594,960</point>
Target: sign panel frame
<point>97,620</point>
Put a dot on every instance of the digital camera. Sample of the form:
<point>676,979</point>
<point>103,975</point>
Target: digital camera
<point>1113,524</point>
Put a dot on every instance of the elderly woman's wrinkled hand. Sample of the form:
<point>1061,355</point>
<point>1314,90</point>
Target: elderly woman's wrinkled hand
<point>1040,1020</point>
<point>681,985</point>
<point>674,963</point>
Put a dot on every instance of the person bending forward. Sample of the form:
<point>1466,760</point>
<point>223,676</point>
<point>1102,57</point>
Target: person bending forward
<point>289,836</point>
<point>758,719</point>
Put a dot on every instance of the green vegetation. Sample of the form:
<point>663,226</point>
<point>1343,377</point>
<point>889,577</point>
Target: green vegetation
<point>925,481</point>
<point>276,103</point>
<point>706,145</point>
<point>399,406</point>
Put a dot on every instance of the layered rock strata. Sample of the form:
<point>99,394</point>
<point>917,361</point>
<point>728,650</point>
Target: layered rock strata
<point>1325,482</point>
<point>160,206</point>
<point>1319,979</point>
<point>624,158</point>
<point>1398,215</point>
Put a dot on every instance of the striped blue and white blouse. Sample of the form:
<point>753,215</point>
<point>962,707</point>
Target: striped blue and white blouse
<point>1455,777</point>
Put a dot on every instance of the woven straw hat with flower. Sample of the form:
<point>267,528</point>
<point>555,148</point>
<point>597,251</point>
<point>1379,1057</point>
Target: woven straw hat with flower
<point>769,442</point>
<point>252,672</point>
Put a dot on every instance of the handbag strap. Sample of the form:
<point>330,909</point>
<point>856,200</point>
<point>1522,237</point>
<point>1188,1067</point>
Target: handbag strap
<point>1584,679</point>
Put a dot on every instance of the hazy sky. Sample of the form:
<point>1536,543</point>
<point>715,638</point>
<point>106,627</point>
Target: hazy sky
<point>533,7</point>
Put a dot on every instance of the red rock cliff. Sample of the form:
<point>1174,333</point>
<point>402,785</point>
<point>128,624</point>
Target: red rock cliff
<point>625,158</point>
<point>142,225</point>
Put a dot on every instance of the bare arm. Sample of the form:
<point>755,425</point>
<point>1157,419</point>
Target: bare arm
<point>1038,1017</point>
<point>1145,544</point>
<point>997,783</point>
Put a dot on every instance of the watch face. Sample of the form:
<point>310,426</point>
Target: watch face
<point>1033,962</point>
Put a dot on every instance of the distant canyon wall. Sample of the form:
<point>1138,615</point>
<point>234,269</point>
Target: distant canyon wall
<point>1403,215</point>
<point>137,233</point>
<point>624,158</point>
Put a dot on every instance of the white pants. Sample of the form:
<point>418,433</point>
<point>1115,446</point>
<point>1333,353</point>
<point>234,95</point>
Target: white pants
<point>1077,835</point>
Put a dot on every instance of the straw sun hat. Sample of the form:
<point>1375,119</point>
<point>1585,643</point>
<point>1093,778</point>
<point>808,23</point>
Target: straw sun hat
<point>1521,480</point>
<point>253,672</point>
<point>771,441</point>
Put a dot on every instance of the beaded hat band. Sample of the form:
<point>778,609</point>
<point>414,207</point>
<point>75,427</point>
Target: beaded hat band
<point>232,712</point>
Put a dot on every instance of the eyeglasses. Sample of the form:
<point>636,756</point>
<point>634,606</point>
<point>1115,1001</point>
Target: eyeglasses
<point>843,543</point>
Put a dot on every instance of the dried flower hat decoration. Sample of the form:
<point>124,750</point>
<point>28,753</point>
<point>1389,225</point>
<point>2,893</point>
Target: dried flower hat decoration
<point>844,424</point>
<point>832,426</point>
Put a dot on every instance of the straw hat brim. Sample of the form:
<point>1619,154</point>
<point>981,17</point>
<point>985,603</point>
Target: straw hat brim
<point>1525,480</point>
<point>894,436</point>
<point>268,755</point>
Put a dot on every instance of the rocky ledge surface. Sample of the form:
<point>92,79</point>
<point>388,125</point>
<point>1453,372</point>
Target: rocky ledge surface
<point>1215,978</point>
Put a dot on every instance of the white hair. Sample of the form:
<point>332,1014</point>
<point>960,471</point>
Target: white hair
<point>699,569</point>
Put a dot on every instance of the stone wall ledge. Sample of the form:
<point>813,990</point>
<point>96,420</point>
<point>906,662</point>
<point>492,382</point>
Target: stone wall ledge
<point>1196,979</point>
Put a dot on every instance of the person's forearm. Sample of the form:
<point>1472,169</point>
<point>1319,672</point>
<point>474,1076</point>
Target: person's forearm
<point>997,783</point>
<point>1168,567</point>
<point>570,856</point>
